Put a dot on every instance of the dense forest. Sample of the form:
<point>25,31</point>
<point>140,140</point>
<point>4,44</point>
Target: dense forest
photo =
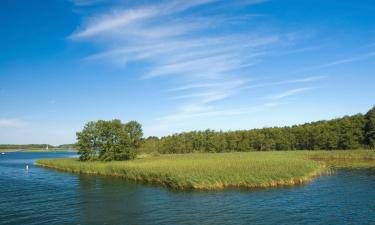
<point>349,132</point>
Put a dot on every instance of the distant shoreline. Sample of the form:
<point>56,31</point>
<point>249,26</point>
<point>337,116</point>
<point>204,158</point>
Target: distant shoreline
<point>35,150</point>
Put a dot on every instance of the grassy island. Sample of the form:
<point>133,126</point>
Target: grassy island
<point>209,171</point>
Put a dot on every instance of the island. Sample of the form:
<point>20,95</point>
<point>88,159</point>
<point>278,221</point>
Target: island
<point>210,160</point>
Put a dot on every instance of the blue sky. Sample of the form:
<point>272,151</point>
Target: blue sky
<point>181,65</point>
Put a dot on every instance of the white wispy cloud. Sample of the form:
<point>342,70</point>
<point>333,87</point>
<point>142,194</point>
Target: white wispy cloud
<point>208,66</point>
<point>108,23</point>
<point>86,2</point>
<point>12,123</point>
<point>130,18</point>
<point>348,60</point>
<point>184,113</point>
<point>361,57</point>
<point>288,93</point>
<point>195,86</point>
<point>284,82</point>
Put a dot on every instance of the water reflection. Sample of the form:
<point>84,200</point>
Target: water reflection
<point>43,196</point>
<point>107,200</point>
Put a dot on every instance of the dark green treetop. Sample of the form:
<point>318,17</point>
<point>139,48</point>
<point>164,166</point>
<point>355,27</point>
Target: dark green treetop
<point>370,128</point>
<point>109,140</point>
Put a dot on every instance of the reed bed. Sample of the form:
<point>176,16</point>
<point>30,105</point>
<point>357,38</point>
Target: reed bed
<point>203,171</point>
<point>341,155</point>
<point>354,159</point>
<point>210,171</point>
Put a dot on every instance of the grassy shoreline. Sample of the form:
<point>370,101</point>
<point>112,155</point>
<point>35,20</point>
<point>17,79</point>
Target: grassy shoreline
<point>213,171</point>
<point>202,171</point>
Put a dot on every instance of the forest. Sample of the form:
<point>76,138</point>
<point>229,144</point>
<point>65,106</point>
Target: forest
<point>349,132</point>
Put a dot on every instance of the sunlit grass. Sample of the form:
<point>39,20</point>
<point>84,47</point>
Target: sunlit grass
<point>355,159</point>
<point>207,171</point>
<point>203,171</point>
<point>341,154</point>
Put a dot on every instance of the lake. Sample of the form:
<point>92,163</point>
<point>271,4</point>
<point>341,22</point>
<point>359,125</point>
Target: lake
<point>43,196</point>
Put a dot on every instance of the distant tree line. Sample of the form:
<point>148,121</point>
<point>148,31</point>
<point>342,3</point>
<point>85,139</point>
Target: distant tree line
<point>109,140</point>
<point>349,132</point>
<point>36,146</point>
<point>66,146</point>
<point>26,146</point>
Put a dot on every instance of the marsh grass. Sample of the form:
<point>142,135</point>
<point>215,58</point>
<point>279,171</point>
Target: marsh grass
<point>209,171</point>
<point>204,171</point>
<point>354,159</point>
<point>341,154</point>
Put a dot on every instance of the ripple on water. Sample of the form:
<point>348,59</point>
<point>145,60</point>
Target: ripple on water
<point>42,196</point>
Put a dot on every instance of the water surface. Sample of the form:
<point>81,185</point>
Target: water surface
<point>43,196</point>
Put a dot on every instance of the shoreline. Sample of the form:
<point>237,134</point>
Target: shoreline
<point>273,184</point>
<point>217,171</point>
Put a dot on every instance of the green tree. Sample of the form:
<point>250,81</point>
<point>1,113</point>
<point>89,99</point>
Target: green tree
<point>109,140</point>
<point>87,142</point>
<point>370,128</point>
<point>135,133</point>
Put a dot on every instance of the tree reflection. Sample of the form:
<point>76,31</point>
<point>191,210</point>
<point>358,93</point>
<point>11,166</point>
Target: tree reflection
<point>105,200</point>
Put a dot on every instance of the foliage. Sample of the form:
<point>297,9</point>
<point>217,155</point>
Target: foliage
<point>370,128</point>
<point>109,140</point>
<point>349,132</point>
<point>67,146</point>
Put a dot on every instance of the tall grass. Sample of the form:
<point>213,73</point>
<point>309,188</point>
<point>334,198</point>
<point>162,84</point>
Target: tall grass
<point>345,159</point>
<point>342,155</point>
<point>203,171</point>
<point>207,171</point>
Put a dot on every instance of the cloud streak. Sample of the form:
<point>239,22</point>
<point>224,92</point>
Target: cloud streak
<point>116,20</point>
<point>340,62</point>
<point>288,93</point>
<point>208,64</point>
<point>12,123</point>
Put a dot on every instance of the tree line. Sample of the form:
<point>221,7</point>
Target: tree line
<point>349,132</point>
<point>114,140</point>
<point>26,146</point>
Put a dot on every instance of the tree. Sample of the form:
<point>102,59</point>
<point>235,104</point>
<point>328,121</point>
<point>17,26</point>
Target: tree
<point>87,142</point>
<point>109,140</point>
<point>134,130</point>
<point>370,128</point>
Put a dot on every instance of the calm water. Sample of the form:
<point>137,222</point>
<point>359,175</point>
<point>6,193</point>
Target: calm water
<point>42,196</point>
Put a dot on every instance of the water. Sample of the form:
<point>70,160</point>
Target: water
<point>42,196</point>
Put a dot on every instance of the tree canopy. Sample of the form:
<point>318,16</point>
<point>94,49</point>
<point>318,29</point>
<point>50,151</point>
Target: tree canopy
<point>109,140</point>
<point>370,128</point>
<point>349,132</point>
<point>113,140</point>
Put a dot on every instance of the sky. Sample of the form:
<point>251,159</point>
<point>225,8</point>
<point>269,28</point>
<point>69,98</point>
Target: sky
<point>177,65</point>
